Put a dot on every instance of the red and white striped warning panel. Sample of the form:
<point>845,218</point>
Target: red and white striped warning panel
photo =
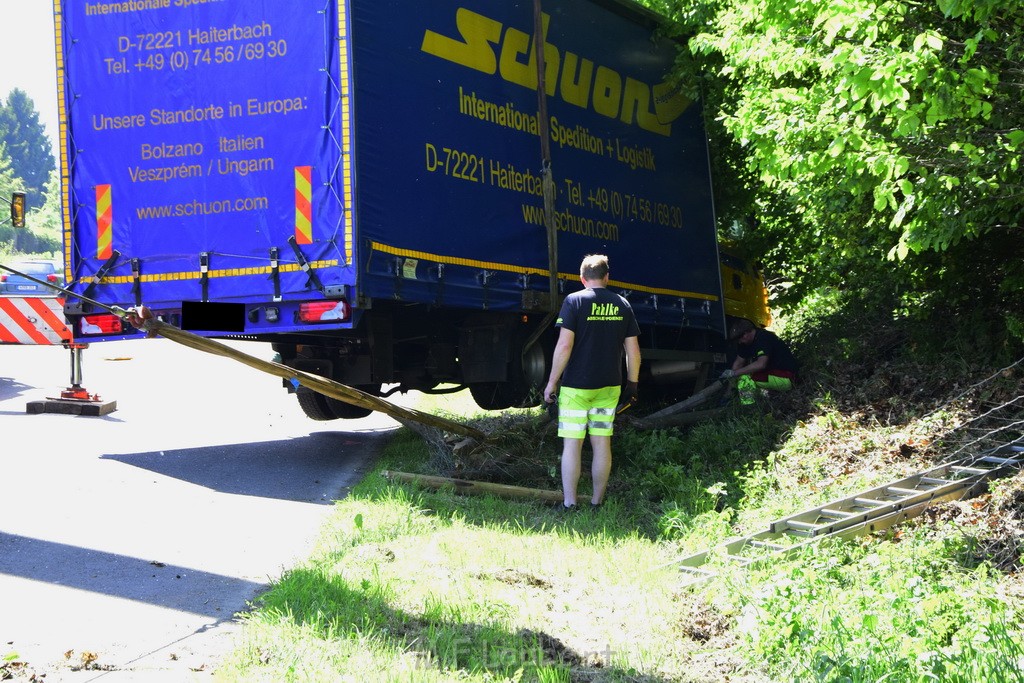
<point>33,320</point>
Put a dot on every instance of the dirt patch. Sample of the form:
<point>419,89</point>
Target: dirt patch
<point>1010,499</point>
<point>515,577</point>
<point>992,523</point>
<point>16,669</point>
<point>373,552</point>
<point>703,623</point>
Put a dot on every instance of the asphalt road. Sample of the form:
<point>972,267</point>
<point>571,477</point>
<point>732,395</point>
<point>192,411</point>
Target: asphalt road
<point>134,538</point>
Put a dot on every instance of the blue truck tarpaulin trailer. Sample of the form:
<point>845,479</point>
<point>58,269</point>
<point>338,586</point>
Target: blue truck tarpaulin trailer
<point>201,141</point>
<point>392,147</point>
<point>460,112</point>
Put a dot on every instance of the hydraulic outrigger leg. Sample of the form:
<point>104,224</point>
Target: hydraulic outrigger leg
<point>76,399</point>
<point>76,392</point>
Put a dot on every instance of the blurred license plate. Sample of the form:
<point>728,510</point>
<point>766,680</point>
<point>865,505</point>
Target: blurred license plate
<point>26,288</point>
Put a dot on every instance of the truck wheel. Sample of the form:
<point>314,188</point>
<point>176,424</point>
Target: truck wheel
<point>527,376</point>
<point>322,408</point>
<point>347,411</point>
<point>314,405</point>
<point>491,395</point>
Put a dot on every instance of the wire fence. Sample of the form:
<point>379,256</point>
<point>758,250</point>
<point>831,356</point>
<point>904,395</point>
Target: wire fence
<point>995,405</point>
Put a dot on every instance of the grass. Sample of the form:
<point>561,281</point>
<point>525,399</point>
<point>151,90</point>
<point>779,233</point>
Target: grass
<point>432,587</point>
<point>903,611</point>
<point>409,584</point>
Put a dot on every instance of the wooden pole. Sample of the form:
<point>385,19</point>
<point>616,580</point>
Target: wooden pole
<point>700,397</point>
<point>547,179</point>
<point>317,383</point>
<point>678,420</point>
<point>475,487</point>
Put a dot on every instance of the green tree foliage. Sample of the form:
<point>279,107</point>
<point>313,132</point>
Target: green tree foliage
<point>877,143</point>
<point>8,182</point>
<point>45,221</point>
<point>27,144</point>
<point>42,234</point>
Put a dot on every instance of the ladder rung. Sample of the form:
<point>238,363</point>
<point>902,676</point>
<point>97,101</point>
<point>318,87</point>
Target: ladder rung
<point>765,544</point>
<point>906,492</point>
<point>835,514</point>
<point>936,481</point>
<point>870,502</point>
<point>803,526</point>
<point>695,570</point>
<point>838,514</point>
<point>970,470</point>
<point>1000,461</point>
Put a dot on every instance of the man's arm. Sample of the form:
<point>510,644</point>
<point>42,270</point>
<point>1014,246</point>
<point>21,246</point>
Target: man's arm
<point>741,367</point>
<point>630,394</point>
<point>632,346</point>
<point>563,349</point>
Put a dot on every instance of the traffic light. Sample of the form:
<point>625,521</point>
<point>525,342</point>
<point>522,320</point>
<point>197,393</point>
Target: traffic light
<point>18,209</point>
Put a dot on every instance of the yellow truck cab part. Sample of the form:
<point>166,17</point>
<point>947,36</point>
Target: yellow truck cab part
<point>743,287</point>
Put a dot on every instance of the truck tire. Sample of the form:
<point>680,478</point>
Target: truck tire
<point>322,408</point>
<point>314,405</point>
<point>347,411</point>
<point>522,389</point>
<point>492,395</point>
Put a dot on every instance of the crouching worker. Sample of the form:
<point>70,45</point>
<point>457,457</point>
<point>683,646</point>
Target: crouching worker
<point>596,327</point>
<point>763,361</point>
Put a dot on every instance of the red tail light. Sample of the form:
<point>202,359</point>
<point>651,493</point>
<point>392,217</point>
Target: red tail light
<point>323,311</point>
<point>52,278</point>
<point>3,278</point>
<point>101,324</point>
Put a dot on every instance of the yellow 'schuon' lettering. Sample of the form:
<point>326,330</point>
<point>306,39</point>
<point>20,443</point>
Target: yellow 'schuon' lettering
<point>486,45</point>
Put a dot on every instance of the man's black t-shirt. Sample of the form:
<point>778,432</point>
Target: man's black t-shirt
<point>601,321</point>
<point>767,343</point>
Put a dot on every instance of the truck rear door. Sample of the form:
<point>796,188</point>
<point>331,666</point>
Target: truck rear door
<point>206,158</point>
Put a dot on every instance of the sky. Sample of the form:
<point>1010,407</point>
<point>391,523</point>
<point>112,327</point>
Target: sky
<point>27,58</point>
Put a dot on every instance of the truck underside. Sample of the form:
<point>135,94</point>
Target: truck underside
<point>502,358</point>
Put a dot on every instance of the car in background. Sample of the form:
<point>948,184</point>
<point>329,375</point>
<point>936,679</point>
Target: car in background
<point>40,269</point>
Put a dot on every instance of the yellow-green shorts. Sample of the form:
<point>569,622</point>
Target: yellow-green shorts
<point>583,410</point>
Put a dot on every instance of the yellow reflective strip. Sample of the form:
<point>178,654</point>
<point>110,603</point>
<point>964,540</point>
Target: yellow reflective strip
<point>345,85</point>
<point>194,275</point>
<point>62,135</point>
<point>491,265</point>
<point>303,204</point>
<point>104,222</point>
<point>572,413</point>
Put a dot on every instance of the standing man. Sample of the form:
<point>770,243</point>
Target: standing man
<point>596,326</point>
<point>762,360</point>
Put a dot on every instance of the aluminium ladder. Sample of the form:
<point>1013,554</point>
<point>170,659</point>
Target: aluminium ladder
<point>867,512</point>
